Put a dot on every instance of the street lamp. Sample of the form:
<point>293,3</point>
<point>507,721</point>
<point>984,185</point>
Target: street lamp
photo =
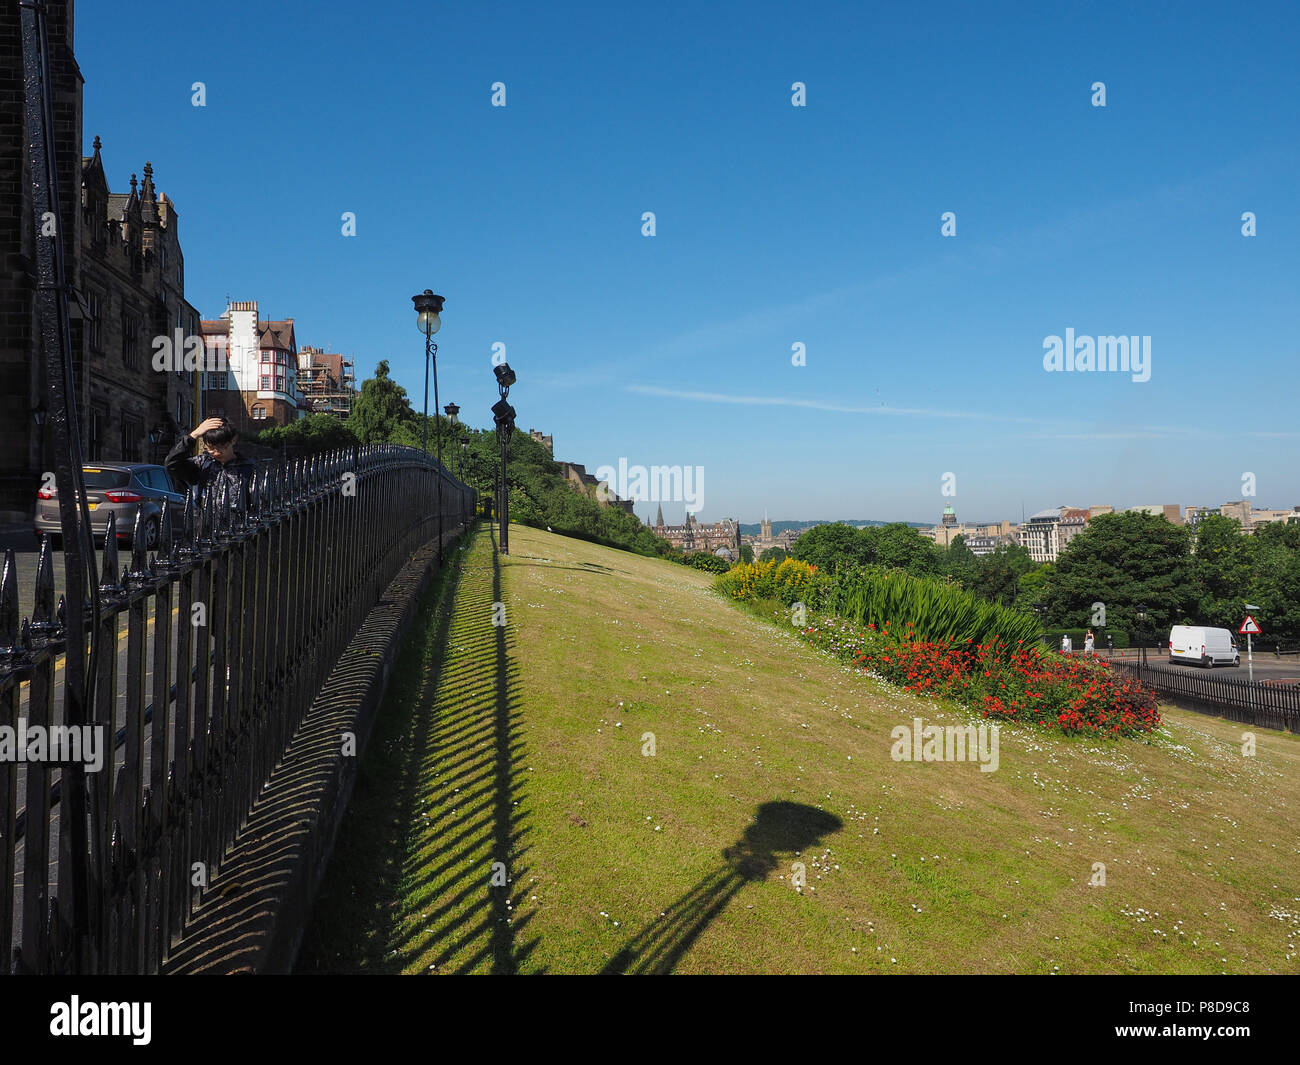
<point>428,316</point>
<point>451,410</point>
<point>155,435</point>
<point>1142,629</point>
<point>503,415</point>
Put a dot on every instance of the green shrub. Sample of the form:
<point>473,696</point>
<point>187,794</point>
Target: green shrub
<point>790,581</point>
<point>702,560</point>
<point>931,610</point>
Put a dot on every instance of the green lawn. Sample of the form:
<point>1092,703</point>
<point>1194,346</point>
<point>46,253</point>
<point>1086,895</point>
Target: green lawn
<point>526,748</point>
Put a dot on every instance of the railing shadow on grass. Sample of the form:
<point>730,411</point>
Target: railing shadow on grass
<point>778,828</point>
<point>432,900</point>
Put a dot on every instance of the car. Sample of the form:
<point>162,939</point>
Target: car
<point>1203,645</point>
<point>114,488</point>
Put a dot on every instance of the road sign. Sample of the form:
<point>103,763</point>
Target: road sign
<point>1249,627</point>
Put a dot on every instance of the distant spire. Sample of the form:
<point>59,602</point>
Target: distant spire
<point>150,197</point>
<point>659,517</point>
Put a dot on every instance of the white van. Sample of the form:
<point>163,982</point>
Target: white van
<point>1204,646</point>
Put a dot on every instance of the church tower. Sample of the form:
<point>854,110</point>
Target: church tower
<point>766,527</point>
<point>659,517</point>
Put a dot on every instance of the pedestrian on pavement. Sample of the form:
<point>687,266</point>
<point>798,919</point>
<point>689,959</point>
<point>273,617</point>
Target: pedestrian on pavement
<point>1088,643</point>
<point>1067,645</point>
<point>220,464</point>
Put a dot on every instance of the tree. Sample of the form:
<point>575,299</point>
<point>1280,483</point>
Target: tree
<point>382,413</point>
<point>998,574</point>
<point>1119,561</point>
<point>1032,587</point>
<point>316,432</point>
<point>959,562</point>
<point>826,546</point>
<point>1274,552</point>
<point>773,554</point>
<point>900,546</point>
<point>1222,571</point>
<point>746,553</point>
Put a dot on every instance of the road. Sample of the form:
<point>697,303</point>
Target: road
<point>1267,665</point>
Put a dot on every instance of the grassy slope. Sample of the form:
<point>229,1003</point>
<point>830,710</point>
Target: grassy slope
<point>637,863</point>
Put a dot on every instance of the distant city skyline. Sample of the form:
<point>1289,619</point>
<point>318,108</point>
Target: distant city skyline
<point>677,515</point>
<point>798,325</point>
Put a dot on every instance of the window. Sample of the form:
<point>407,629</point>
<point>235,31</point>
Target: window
<point>266,382</point>
<point>279,381</point>
<point>98,423</point>
<point>132,433</point>
<point>259,413</point>
<point>266,357</point>
<point>92,320</point>
<point>130,340</point>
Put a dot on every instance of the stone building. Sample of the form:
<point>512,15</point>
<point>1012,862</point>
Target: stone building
<point>545,439</point>
<point>327,381</point>
<point>582,481</point>
<point>1171,512</point>
<point>134,390</point>
<point>766,540</point>
<point>259,386</point>
<point>719,538</point>
<point>1074,520</point>
<point>125,274</point>
<point>981,539</point>
<point>1038,535</point>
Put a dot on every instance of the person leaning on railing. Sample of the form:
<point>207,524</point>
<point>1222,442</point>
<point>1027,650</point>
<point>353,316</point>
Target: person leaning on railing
<point>220,464</point>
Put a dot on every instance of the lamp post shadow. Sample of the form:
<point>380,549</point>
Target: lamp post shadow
<point>778,828</point>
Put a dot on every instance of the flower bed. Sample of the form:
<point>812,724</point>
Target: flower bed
<point>1012,683</point>
<point>789,580</point>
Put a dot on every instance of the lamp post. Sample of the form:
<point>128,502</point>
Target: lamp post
<point>504,416</point>
<point>451,410</point>
<point>428,316</point>
<point>1142,629</point>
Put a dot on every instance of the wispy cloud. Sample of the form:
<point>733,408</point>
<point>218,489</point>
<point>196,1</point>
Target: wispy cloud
<point>1151,432</point>
<point>819,404</point>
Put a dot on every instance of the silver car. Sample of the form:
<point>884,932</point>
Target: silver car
<point>114,488</point>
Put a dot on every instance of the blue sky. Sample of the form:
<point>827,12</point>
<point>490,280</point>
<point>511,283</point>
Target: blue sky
<point>775,225</point>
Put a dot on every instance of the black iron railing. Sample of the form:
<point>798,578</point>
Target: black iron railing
<point>208,652</point>
<point>1270,705</point>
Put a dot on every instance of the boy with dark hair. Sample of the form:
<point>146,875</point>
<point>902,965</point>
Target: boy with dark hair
<point>219,464</point>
